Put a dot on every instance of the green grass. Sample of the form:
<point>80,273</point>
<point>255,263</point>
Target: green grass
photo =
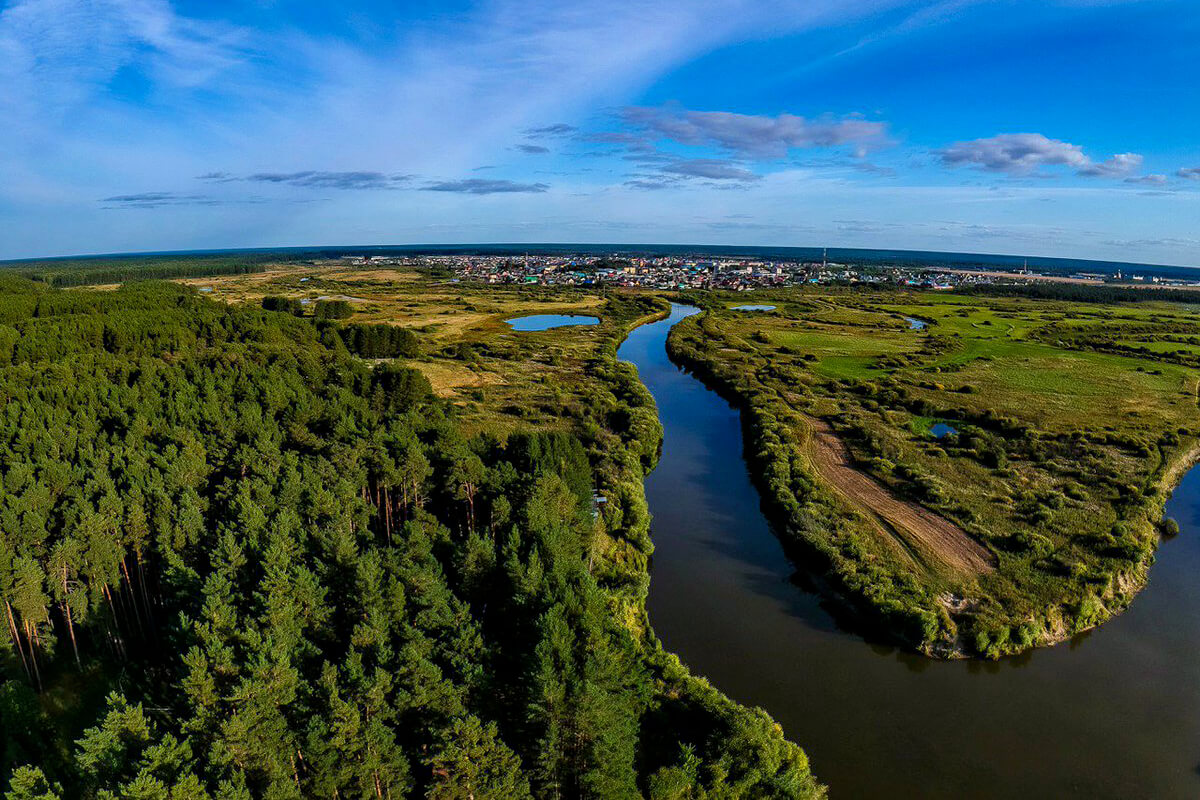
<point>843,353</point>
<point>1164,347</point>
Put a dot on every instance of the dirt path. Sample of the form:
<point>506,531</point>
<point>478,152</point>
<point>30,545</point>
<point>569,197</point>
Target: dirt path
<point>931,538</point>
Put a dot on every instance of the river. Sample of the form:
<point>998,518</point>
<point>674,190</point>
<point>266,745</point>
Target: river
<point>1114,713</point>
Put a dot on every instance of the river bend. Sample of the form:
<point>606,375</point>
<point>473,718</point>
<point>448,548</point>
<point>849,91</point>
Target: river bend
<point>1114,713</point>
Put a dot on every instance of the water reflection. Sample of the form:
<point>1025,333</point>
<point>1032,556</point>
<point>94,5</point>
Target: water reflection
<point>544,322</point>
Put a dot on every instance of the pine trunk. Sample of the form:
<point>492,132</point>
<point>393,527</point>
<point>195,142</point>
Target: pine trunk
<point>16,637</point>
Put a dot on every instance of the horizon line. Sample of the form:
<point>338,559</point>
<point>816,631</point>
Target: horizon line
<point>418,248</point>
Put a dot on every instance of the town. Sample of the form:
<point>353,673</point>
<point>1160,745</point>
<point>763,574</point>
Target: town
<point>703,271</point>
<point>671,272</point>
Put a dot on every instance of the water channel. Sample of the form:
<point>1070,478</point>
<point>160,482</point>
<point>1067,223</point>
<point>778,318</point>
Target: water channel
<point>1114,713</point>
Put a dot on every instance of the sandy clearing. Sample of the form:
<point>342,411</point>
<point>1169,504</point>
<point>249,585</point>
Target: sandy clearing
<point>447,378</point>
<point>920,530</point>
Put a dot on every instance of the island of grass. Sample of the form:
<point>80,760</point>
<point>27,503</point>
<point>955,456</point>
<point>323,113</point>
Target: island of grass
<point>987,483</point>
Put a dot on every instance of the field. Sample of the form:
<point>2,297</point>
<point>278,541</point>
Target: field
<point>1035,516</point>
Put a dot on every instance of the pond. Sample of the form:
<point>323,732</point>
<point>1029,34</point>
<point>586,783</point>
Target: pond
<point>940,429</point>
<point>1114,713</point>
<point>544,322</point>
<point>915,324</point>
<point>754,308</point>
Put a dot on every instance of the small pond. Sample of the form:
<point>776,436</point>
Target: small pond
<point>544,322</point>
<point>754,308</point>
<point>940,429</point>
<point>915,324</point>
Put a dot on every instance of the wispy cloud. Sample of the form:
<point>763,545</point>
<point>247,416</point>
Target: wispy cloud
<point>310,179</point>
<point>711,168</point>
<point>160,199</point>
<point>533,149</point>
<point>1148,180</point>
<point>57,52</point>
<point>557,129</point>
<point>651,183</point>
<point>1024,154</point>
<point>1166,241</point>
<point>483,186</point>
<point>1189,173</point>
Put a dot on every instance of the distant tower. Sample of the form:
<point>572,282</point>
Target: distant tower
<point>824,258</point>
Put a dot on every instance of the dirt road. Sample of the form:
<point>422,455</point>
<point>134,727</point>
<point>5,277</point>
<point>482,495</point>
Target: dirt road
<point>922,533</point>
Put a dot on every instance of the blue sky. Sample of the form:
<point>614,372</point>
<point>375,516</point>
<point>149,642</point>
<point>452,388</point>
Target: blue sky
<point>1058,127</point>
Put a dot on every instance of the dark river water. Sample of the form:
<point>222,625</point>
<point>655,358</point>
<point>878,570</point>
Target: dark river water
<point>1114,713</point>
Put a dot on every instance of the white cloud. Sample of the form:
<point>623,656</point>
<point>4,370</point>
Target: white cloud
<point>1026,153</point>
<point>1118,166</point>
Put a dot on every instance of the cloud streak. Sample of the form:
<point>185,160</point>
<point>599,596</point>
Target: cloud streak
<point>1148,180</point>
<point>160,199</point>
<point>484,186</point>
<point>311,179</point>
<point>711,168</point>
<point>546,131</point>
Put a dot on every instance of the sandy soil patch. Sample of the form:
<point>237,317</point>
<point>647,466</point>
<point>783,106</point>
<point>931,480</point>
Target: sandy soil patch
<point>919,529</point>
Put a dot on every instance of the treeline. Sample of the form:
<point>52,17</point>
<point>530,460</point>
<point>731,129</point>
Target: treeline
<point>368,341</point>
<point>95,271</point>
<point>379,341</point>
<point>1083,292</point>
<point>322,309</point>
<point>236,563</point>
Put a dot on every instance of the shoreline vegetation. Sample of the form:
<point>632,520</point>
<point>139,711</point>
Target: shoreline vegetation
<point>910,594</point>
<point>294,552</point>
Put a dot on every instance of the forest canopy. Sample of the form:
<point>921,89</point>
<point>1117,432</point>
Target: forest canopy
<point>238,561</point>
